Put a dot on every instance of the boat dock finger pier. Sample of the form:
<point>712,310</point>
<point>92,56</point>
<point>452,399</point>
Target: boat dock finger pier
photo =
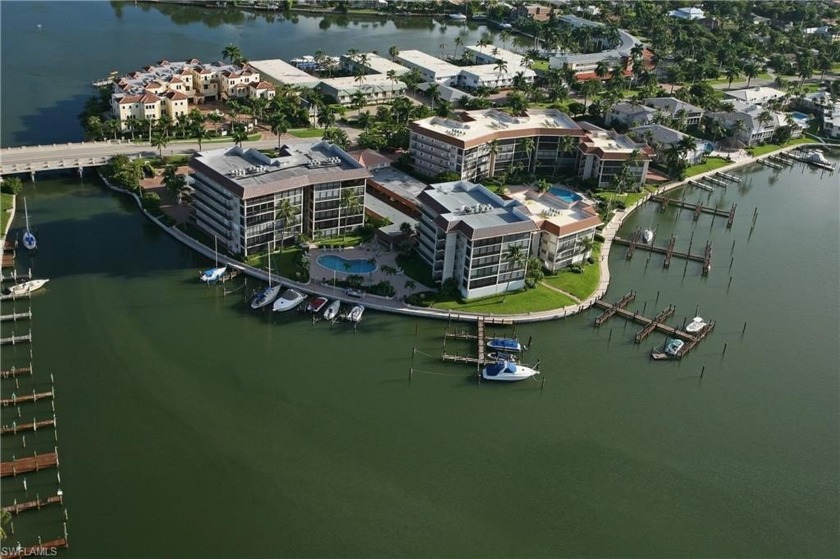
<point>696,209</point>
<point>480,337</point>
<point>669,251</point>
<point>649,325</point>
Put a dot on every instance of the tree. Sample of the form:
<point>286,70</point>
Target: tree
<point>501,68</point>
<point>528,147</point>
<point>518,103</point>
<point>514,257</point>
<point>12,185</point>
<point>393,51</point>
<point>349,202</point>
<point>731,74</point>
<point>584,245</point>
<point>232,53</point>
<point>159,141</point>
<point>336,136</point>
<point>543,185</point>
<point>239,135</point>
<point>493,148</point>
<point>287,215</point>
<point>174,182</point>
<point>750,70</point>
<point>406,229</point>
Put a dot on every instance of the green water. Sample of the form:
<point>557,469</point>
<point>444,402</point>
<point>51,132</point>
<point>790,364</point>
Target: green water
<point>190,426</point>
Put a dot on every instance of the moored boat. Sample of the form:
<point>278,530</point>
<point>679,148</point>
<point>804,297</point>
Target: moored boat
<point>265,296</point>
<point>503,356</point>
<point>458,17</point>
<point>696,324</point>
<point>507,371</point>
<point>355,314</point>
<point>647,236</point>
<point>316,304</point>
<point>505,344</point>
<point>214,274</point>
<point>673,347</point>
<point>290,299</point>
<point>29,240</point>
<point>332,310</point>
<point>26,287</point>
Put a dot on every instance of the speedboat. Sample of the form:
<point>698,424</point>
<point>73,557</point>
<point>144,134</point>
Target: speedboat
<point>503,356</point>
<point>355,314</point>
<point>647,236</point>
<point>266,296</point>
<point>29,240</point>
<point>673,346</point>
<point>316,304</point>
<point>696,324</point>
<point>288,300</point>
<point>332,310</point>
<point>26,287</point>
<point>505,344</point>
<point>507,370</point>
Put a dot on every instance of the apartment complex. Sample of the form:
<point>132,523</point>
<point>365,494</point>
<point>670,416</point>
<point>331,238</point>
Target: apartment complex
<point>168,88</point>
<point>466,234</point>
<point>488,142</point>
<point>238,194</point>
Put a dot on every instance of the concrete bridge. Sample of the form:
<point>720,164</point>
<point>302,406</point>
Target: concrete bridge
<point>78,156</point>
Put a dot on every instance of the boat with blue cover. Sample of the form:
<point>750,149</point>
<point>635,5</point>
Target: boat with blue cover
<point>507,371</point>
<point>505,344</point>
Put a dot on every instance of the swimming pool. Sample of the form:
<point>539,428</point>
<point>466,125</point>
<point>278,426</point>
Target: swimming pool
<point>800,116</point>
<point>346,265</point>
<point>566,195</point>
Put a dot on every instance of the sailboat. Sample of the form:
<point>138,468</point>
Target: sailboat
<point>212,275</point>
<point>268,294</point>
<point>29,240</point>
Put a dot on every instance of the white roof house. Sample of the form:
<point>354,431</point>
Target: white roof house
<point>755,95</point>
<point>282,72</point>
<point>432,69</point>
<point>687,13</point>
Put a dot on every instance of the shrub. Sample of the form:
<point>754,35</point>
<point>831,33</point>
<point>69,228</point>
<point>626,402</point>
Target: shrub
<point>421,299</point>
<point>599,238</point>
<point>12,185</point>
<point>151,202</point>
<point>590,259</point>
<point>383,288</point>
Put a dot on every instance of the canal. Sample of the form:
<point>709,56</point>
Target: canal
<point>191,426</point>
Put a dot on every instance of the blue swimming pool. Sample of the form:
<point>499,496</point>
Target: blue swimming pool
<point>346,265</point>
<point>566,195</point>
<point>800,116</point>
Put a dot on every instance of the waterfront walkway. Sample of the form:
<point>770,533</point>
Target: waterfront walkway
<point>396,305</point>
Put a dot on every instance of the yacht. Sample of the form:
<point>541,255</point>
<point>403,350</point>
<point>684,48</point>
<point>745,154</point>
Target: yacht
<point>29,240</point>
<point>507,371</point>
<point>505,344</point>
<point>289,300</point>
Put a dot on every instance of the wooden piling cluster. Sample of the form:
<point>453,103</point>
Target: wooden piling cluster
<point>15,372</point>
<point>697,208</point>
<point>707,258</point>
<point>651,326</point>
<point>33,397</point>
<point>611,309</point>
<point>13,340</point>
<point>33,426</point>
<point>17,508</point>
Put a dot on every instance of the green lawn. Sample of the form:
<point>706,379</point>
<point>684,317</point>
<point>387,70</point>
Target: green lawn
<point>306,132</point>
<point>711,164</point>
<point>767,148</point>
<point>345,241</point>
<point>580,285</point>
<point>532,300</point>
<point>629,198</point>
<point>283,263</point>
<point>540,65</point>
<point>6,205</point>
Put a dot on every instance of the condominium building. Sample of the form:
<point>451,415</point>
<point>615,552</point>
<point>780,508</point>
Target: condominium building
<point>239,193</point>
<point>603,154</point>
<point>169,88</point>
<point>488,142</point>
<point>468,234</point>
<point>431,68</point>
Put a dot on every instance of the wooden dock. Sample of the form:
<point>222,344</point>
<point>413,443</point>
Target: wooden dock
<point>15,276</point>
<point>668,251</point>
<point>651,326</point>
<point>696,208</point>
<point>34,397</point>
<point>692,342</point>
<point>480,358</point>
<point>16,372</point>
<point>34,463</point>
<point>43,549</point>
<point>707,258</point>
<point>611,308</point>
<point>13,340</point>
<point>18,508</point>
<point>12,297</point>
<point>770,164</point>
<point>8,261</point>
<point>702,186</point>
<point>32,426</point>
<point>10,246</point>
<point>14,317</point>
<point>728,177</point>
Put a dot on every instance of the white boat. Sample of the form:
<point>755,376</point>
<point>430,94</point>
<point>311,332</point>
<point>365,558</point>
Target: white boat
<point>289,300</point>
<point>26,287</point>
<point>29,240</point>
<point>505,344</point>
<point>212,275</point>
<point>355,314</point>
<point>507,371</point>
<point>812,155</point>
<point>332,310</point>
<point>673,346</point>
<point>696,324</point>
<point>502,356</point>
<point>316,304</point>
<point>458,17</point>
<point>647,236</point>
<point>268,294</point>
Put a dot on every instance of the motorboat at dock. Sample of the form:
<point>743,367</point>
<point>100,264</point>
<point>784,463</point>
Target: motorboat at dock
<point>507,371</point>
<point>289,300</point>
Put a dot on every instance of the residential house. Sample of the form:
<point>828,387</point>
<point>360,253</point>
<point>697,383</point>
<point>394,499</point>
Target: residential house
<point>661,138</point>
<point>629,115</point>
<point>831,121</point>
<point>757,123</point>
<point>536,12</point>
<point>680,111</point>
<point>687,13</point>
<point>603,154</point>
<point>755,95</point>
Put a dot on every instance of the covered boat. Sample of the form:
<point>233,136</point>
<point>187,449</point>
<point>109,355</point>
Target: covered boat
<point>507,371</point>
<point>505,344</point>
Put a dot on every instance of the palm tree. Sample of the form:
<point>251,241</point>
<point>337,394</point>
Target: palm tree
<point>232,53</point>
<point>731,74</point>
<point>602,69</point>
<point>543,185</point>
<point>751,71</point>
<point>239,135</point>
<point>458,42</point>
<point>393,51</point>
<point>159,141</point>
<point>286,214</point>
<point>528,148</point>
<point>501,68</point>
<point>565,144</point>
<point>514,258</point>
<point>349,203</point>
<point>585,245</point>
<point>433,91</point>
<point>279,126</point>
<point>493,150</point>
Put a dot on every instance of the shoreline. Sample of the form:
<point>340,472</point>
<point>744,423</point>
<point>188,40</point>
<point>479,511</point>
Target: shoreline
<point>393,306</point>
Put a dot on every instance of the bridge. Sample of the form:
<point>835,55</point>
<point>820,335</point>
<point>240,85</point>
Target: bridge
<point>80,155</point>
